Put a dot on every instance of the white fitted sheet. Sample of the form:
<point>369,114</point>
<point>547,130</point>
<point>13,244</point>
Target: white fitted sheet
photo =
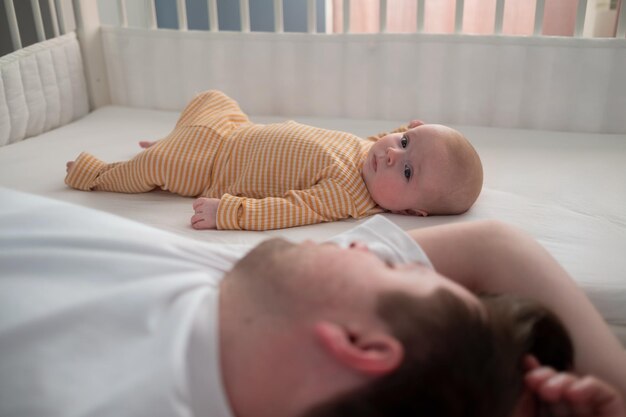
<point>568,190</point>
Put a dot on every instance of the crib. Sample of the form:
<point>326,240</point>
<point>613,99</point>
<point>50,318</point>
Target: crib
<point>547,114</point>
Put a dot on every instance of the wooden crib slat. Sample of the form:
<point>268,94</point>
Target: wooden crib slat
<point>420,15</point>
<point>458,16</point>
<point>346,16</point>
<point>61,16</point>
<point>181,9</point>
<point>152,14</point>
<point>88,31</point>
<point>581,14</point>
<point>499,17</point>
<point>539,10</point>
<point>621,22</point>
<point>279,26</point>
<point>121,10</point>
<point>214,24</point>
<point>311,16</point>
<point>53,18</point>
<point>244,15</point>
<point>383,16</point>
<point>41,34</point>
<point>14,29</point>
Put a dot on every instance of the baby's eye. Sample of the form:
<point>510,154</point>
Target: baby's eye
<point>407,172</point>
<point>404,141</point>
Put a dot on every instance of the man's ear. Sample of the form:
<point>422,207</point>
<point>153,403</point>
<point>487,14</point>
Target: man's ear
<point>372,352</point>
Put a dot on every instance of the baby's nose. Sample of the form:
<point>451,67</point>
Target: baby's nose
<point>392,155</point>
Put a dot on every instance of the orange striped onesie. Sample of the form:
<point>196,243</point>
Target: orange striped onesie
<point>266,176</point>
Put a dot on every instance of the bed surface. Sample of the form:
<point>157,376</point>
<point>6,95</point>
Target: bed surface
<point>568,190</point>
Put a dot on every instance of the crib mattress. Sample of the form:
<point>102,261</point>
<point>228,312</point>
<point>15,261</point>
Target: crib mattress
<point>568,190</point>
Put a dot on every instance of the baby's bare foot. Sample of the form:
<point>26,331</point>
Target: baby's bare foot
<point>68,166</point>
<point>145,144</point>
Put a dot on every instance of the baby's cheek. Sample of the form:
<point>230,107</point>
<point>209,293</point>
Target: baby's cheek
<point>385,194</point>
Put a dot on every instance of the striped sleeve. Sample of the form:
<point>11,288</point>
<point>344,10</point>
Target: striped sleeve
<point>324,202</point>
<point>400,129</point>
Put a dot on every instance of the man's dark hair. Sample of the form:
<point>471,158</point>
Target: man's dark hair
<point>458,361</point>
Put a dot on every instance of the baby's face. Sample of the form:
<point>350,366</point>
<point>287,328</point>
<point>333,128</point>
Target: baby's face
<point>403,170</point>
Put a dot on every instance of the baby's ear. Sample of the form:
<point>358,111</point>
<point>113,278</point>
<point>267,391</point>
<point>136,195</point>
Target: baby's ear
<point>411,212</point>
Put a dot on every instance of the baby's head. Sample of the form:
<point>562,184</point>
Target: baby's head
<point>427,170</point>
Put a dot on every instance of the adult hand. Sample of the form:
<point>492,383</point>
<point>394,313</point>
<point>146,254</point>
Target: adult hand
<point>205,216</point>
<point>569,395</point>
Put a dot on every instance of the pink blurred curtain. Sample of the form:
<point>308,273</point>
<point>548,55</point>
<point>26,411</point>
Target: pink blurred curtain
<point>478,16</point>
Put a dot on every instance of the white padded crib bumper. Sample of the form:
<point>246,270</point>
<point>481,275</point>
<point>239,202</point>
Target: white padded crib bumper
<point>563,84</point>
<point>41,87</point>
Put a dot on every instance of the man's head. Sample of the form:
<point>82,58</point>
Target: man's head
<point>427,170</point>
<point>301,324</point>
<point>321,331</point>
<point>458,362</point>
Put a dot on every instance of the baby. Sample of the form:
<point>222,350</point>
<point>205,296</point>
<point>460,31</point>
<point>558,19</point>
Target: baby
<point>259,177</point>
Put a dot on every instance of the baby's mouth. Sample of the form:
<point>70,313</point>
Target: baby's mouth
<point>374,162</point>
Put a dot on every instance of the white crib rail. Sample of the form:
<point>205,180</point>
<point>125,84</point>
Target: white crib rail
<point>581,13</point>
<point>64,12</point>
<point>34,4</point>
<point>13,26</point>
<point>539,11</point>
<point>90,32</point>
<point>123,16</point>
<point>244,16</point>
<point>181,10</point>
<point>621,21</point>
<point>59,16</point>
<point>420,15</point>
<point>311,16</point>
<point>458,16</point>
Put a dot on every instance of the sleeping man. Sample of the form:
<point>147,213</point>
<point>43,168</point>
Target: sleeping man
<point>103,316</point>
<point>258,177</point>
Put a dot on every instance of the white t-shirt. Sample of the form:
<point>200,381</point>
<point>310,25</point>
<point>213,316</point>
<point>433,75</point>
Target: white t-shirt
<point>102,316</point>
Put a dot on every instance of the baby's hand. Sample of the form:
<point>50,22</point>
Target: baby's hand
<point>145,144</point>
<point>415,123</point>
<point>570,395</point>
<point>206,213</point>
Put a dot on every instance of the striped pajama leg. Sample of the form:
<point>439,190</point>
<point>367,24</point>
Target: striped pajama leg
<point>180,163</point>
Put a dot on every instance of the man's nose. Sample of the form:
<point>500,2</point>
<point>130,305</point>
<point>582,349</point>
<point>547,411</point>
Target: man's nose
<point>356,245</point>
<point>392,155</point>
